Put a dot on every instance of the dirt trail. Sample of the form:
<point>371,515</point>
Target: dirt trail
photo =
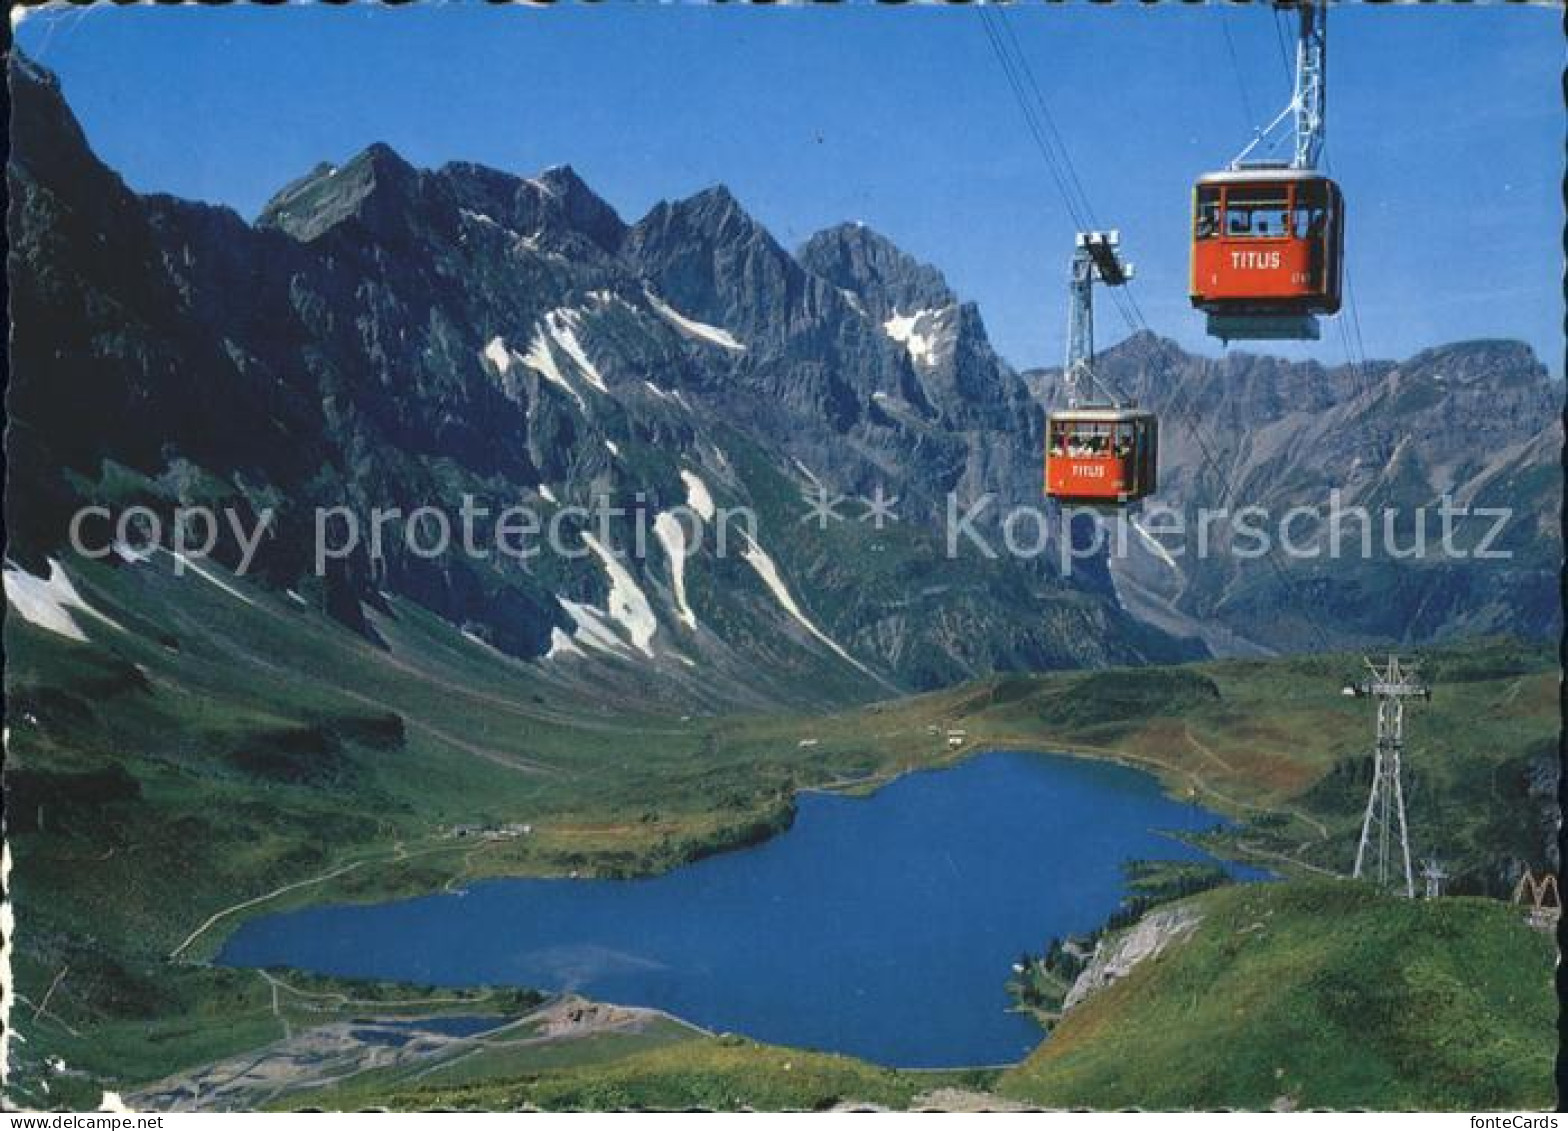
<point>398,855</point>
<point>218,916</point>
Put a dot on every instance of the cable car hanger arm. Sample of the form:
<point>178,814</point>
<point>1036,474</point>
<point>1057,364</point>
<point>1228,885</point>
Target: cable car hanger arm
<point>1307,103</point>
<point>1095,259</point>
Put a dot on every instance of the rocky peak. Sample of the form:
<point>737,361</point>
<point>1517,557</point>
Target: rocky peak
<point>1239,386</point>
<point>565,198</point>
<point>1483,361</point>
<point>376,187</point>
<point>46,139</point>
<point>875,270</point>
<point>710,258</point>
<point>715,210</point>
<point>556,204</point>
<point>712,217</point>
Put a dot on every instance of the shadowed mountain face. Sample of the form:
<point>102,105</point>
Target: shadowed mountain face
<point>386,337</point>
<point>1476,423</point>
<point>391,337</point>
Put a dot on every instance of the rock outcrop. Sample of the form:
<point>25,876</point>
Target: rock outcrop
<point>1118,956</point>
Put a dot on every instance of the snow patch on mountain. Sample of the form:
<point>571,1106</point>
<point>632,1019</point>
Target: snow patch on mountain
<point>691,327</point>
<point>129,554</point>
<point>496,353</point>
<point>183,561</point>
<point>627,604</point>
<point>563,325</point>
<point>562,645</point>
<point>47,603</point>
<point>918,333</point>
<point>545,187</point>
<point>698,497</point>
<point>590,628</point>
<point>768,570</point>
<point>475,639</point>
<point>548,495</point>
<point>613,448</point>
<point>1153,543</point>
<point>487,221</point>
<point>541,360</point>
<point>674,397</point>
<point>672,536</point>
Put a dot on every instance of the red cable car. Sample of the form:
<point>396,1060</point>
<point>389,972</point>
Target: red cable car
<point>1101,455</point>
<point>1267,250</point>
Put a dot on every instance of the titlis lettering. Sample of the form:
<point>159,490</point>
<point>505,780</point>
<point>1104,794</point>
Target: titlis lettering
<point>1089,470</point>
<point>1255,260</point>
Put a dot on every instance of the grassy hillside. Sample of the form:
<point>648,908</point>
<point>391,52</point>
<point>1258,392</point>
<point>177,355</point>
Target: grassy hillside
<point>1317,994</point>
<point>213,751</point>
<point>659,1073</point>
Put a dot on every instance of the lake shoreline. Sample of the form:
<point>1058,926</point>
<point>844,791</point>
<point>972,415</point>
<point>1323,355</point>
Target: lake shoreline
<point>809,940</point>
<point>742,838</point>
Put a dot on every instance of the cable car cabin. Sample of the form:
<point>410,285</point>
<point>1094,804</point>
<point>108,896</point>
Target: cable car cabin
<point>1101,456</point>
<point>1267,247</point>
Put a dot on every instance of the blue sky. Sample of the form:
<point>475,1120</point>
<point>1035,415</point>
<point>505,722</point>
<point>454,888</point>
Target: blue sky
<point>1445,129</point>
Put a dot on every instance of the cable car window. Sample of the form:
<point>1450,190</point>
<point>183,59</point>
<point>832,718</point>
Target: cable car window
<point>1207,223</point>
<point>1262,221</point>
<point>1311,215</point>
<point>1258,211</point>
<point>1310,223</point>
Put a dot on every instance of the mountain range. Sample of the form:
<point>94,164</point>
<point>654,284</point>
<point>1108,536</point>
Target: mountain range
<point>1476,424</point>
<point>193,741</point>
<point>383,336</point>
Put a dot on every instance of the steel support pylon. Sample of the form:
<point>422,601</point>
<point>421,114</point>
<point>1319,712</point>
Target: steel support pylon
<point>1311,90</point>
<point>1391,685</point>
<point>1096,258</point>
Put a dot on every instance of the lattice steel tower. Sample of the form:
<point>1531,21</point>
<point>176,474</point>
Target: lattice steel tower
<point>1096,258</point>
<point>1391,685</point>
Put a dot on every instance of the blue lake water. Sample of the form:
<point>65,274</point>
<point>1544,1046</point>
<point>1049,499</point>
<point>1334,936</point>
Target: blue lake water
<point>884,927</point>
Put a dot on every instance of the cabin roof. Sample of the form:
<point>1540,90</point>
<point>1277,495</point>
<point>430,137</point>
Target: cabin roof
<point>1260,176</point>
<point>1101,414</point>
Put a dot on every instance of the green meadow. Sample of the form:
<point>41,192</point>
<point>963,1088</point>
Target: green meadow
<point>214,750</point>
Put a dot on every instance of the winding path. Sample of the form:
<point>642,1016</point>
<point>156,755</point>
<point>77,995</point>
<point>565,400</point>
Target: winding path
<point>274,893</point>
<point>396,856</point>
